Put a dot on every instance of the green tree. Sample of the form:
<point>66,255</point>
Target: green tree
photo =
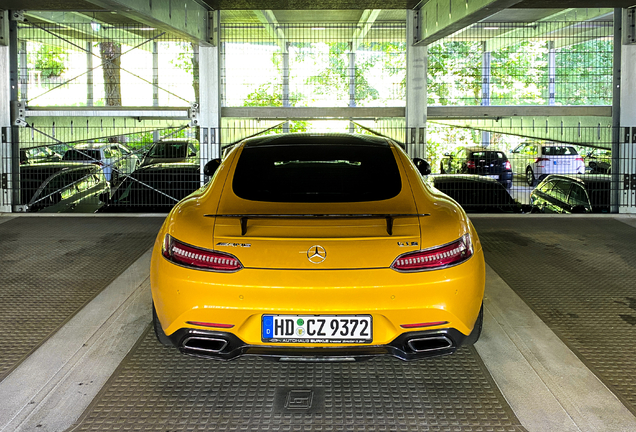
<point>50,60</point>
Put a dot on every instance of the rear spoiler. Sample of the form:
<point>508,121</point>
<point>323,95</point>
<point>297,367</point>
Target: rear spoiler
<point>245,217</point>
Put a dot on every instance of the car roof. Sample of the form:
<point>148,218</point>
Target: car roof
<point>581,178</point>
<point>315,138</point>
<point>53,167</point>
<point>474,178</point>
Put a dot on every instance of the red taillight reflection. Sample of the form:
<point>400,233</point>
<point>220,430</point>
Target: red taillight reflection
<point>428,324</point>
<point>436,258</point>
<point>507,165</point>
<point>207,324</point>
<point>470,164</point>
<point>190,256</point>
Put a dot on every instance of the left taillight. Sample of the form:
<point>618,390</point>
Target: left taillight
<point>202,259</point>
<point>507,166</point>
<point>436,258</point>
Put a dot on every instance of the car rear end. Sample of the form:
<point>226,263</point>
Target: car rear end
<point>558,159</point>
<point>312,254</point>
<point>490,163</point>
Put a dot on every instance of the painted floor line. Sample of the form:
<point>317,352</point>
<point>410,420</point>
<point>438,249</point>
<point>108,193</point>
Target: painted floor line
<point>52,387</point>
<point>545,383</point>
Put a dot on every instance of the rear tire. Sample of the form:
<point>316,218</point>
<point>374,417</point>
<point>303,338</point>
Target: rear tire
<point>474,335</point>
<point>161,335</point>
<point>530,177</point>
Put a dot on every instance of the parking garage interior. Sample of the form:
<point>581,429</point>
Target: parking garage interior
<point>111,109</point>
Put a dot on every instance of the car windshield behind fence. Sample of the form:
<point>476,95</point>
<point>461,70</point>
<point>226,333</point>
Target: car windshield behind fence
<point>325,173</point>
<point>82,155</point>
<point>559,151</point>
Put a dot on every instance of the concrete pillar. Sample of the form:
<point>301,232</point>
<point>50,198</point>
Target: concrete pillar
<point>485,88</point>
<point>352,82</point>
<point>209,120</point>
<point>416,94</point>
<point>155,82</point>
<point>624,146</point>
<point>89,73</point>
<point>5,116</point>
<point>551,73</point>
<point>286,83</point>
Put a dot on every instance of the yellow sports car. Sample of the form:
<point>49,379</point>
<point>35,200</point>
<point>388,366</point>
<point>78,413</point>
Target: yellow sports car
<point>317,247</point>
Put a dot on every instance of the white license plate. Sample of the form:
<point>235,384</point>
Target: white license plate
<point>317,328</point>
<point>562,162</point>
<point>495,176</point>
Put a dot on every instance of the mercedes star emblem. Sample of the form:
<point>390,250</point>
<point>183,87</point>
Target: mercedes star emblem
<point>316,254</point>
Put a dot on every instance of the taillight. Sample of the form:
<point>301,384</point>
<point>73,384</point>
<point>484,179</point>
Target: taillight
<point>436,258</point>
<point>470,164</point>
<point>580,159</point>
<point>541,160</point>
<point>194,257</point>
<point>507,165</point>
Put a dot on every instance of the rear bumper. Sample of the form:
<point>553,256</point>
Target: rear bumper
<point>408,346</point>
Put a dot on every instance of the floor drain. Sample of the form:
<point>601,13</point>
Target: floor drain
<point>299,400</point>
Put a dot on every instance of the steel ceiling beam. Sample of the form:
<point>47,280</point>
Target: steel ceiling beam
<point>184,18</point>
<point>364,25</point>
<point>272,27</point>
<point>439,18</point>
<point>105,30</point>
<point>544,27</point>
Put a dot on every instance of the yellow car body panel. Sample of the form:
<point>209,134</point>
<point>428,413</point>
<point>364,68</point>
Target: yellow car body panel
<point>355,277</point>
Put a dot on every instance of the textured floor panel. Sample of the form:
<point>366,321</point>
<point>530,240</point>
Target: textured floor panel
<point>52,266</point>
<point>579,276</point>
<point>159,389</point>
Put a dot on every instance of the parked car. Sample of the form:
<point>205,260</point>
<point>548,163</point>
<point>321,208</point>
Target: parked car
<point>154,188</point>
<point>41,154</point>
<point>62,187</point>
<point>535,161</point>
<point>116,160</point>
<point>173,150</point>
<point>319,247</point>
<point>572,194</point>
<point>478,160</point>
<point>599,161</point>
<point>476,194</point>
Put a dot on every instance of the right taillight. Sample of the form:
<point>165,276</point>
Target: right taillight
<point>437,257</point>
<point>198,258</point>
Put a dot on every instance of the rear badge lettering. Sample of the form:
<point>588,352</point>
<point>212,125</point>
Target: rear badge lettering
<point>245,245</point>
<point>406,244</point>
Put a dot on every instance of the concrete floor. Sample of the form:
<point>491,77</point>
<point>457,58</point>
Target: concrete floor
<point>547,386</point>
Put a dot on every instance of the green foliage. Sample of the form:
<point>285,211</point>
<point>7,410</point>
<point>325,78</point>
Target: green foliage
<point>584,73</point>
<point>50,60</point>
<point>519,74</point>
<point>334,79</point>
<point>454,73</point>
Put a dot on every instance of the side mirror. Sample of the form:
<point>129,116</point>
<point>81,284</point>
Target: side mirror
<point>447,154</point>
<point>422,166</point>
<point>210,168</point>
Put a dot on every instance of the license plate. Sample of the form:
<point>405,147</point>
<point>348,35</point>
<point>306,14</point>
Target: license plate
<point>493,176</point>
<point>317,328</point>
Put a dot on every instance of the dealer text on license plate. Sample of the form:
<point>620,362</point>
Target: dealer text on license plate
<point>317,328</point>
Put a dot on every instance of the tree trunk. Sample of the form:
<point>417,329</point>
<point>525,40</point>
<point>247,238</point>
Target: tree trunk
<point>111,66</point>
<point>111,63</point>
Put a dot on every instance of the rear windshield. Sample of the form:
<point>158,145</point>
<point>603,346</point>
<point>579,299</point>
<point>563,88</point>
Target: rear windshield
<point>488,155</point>
<point>559,151</point>
<point>317,173</point>
<point>82,155</point>
<point>169,150</point>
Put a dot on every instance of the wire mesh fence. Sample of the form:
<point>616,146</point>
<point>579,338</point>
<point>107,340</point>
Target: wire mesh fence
<point>538,63</point>
<point>114,164</point>
<point>313,64</point>
<point>89,64</point>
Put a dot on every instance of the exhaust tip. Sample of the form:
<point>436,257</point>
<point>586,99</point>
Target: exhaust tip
<point>202,345</point>
<point>428,344</point>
